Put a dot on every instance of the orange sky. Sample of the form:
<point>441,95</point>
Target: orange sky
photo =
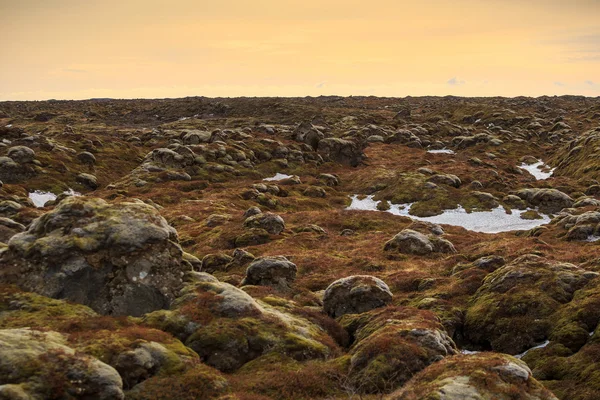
<point>76,49</point>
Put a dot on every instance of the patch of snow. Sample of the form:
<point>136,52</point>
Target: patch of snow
<point>494,221</point>
<point>143,274</point>
<point>539,346</point>
<point>592,238</point>
<point>536,170</point>
<point>40,198</point>
<point>183,118</point>
<point>278,177</point>
<point>469,352</point>
<point>8,126</point>
<point>441,151</point>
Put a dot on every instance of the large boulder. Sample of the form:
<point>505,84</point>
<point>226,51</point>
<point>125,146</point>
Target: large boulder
<point>13,172</point>
<point>21,154</point>
<point>474,377</point>
<point>579,226</point>
<point>409,241</point>
<point>547,200</point>
<point>270,222</point>
<point>341,150</point>
<point>121,259</point>
<point>309,134</point>
<point>271,271</point>
<point>196,137</point>
<point>39,365</point>
<point>355,294</point>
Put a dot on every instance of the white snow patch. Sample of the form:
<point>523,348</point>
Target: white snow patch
<point>8,126</point>
<point>593,238</point>
<point>143,274</point>
<point>536,170</point>
<point>494,221</point>
<point>539,346</point>
<point>469,352</point>
<point>441,151</point>
<point>40,198</point>
<point>278,177</point>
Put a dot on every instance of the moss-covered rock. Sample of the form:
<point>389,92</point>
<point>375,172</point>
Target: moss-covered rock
<point>121,259</point>
<point>478,376</point>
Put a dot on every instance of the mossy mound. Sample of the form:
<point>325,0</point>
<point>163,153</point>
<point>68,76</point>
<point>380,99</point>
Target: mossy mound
<point>391,345</point>
<point>514,308</point>
<point>478,376</point>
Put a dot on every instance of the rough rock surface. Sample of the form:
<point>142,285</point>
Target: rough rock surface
<point>120,259</point>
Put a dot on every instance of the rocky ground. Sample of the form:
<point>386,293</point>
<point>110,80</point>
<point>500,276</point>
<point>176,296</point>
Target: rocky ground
<point>300,248</point>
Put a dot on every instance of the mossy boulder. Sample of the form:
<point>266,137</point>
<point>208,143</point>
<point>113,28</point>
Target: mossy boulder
<point>21,154</point>
<point>344,151</point>
<point>477,376</point>
<point>409,241</point>
<point>355,294</point>
<point>548,201</point>
<point>271,271</point>
<point>121,259</point>
<point>272,223</point>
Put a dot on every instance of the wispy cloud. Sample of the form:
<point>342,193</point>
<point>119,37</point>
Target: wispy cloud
<point>589,83</point>
<point>559,84</point>
<point>455,82</point>
<point>321,85</point>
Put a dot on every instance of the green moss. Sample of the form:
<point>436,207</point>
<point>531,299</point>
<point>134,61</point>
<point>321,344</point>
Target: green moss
<point>531,215</point>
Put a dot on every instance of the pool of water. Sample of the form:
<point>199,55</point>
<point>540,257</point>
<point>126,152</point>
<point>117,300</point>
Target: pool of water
<point>40,197</point>
<point>278,177</point>
<point>494,221</point>
<point>441,151</point>
<point>539,346</point>
<point>536,170</point>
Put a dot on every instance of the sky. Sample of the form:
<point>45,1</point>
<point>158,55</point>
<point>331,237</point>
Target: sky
<point>74,49</point>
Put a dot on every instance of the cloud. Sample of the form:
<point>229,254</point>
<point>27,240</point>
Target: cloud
<point>455,82</point>
<point>589,83</point>
<point>321,85</point>
<point>559,84</point>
